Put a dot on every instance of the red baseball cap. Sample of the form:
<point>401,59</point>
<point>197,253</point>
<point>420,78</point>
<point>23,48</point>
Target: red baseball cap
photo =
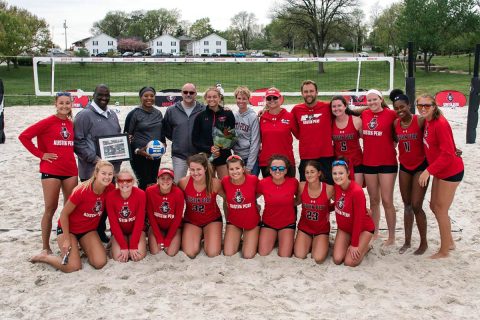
<point>273,92</point>
<point>165,171</point>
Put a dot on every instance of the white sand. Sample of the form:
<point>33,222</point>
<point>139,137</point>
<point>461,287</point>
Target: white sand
<point>386,285</point>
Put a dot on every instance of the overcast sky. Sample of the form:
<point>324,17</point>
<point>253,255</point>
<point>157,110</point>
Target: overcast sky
<point>81,14</point>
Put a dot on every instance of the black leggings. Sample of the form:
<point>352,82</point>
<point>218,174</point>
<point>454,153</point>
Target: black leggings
<point>145,169</point>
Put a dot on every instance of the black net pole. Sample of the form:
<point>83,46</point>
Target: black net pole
<point>410,78</point>
<point>473,101</point>
<point>2,118</point>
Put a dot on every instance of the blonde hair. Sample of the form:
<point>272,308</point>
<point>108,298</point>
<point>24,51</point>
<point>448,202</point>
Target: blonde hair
<point>436,112</point>
<point>128,171</point>
<point>88,183</point>
<point>242,91</point>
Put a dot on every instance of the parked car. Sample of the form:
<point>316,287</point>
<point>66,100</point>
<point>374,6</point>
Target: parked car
<point>257,54</point>
<point>363,54</point>
<point>137,54</point>
<point>101,54</point>
<point>127,54</point>
<point>239,55</point>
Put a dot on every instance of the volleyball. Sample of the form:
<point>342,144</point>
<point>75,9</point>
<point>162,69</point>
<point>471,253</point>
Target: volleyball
<point>155,149</point>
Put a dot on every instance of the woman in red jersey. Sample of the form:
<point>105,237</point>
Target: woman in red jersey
<point>57,165</point>
<point>126,214</point>
<point>202,214</point>
<point>165,204</point>
<point>380,159</point>
<point>279,217</point>
<point>77,226</point>
<point>444,165</point>
<point>346,133</point>
<point>409,133</point>
<point>355,226</point>
<point>242,212</point>
<point>276,129</point>
<point>314,224</point>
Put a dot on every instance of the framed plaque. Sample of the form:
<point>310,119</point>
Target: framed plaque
<point>114,147</point>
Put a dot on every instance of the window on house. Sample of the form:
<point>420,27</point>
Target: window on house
<point>110,43</point>
<point>159,51</point>
<point>219,43</point>
<point>95,51</point>
<point>206,51</point>
<point>173,50</point>
<point>219,50</point>
<point>173,43</point>
<point>95,43</point>
<point>110,50</point>
<point>159,43</point>
<point>205,43</point>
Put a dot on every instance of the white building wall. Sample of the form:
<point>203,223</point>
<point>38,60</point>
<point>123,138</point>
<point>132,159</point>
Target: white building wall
<point>101,43</point>
<point>210,44</point>
<point>165,44</point>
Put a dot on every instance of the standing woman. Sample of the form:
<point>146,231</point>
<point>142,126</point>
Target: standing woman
<point>242,212</point>
<point>57,165</point>
<point>247,129</point>
<point>279,218</point>
<point>314,224</point>
<point>444,165</point>
<point>202,215</point>
<point>213,116</point>
<point>165,204</point>
<point>409,133</point>
<point>276,129</point>
<point>346,134</point>
<point>79,221</point>
<point>355,226</point>
<point>143,124</point>
<point>126,214</point>
<point>380,159</point>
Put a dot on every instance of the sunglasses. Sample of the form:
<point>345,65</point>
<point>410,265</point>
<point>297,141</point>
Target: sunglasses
<point>64,94</point>
<point>272,98</point>
<point>426,106</point>
<point>234,156</point>
<point>278,168</point>
<point>191,93</point>
<point>119,181</point>
<point>339,163</point>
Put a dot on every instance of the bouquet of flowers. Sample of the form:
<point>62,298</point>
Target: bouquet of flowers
<point>223,139</point>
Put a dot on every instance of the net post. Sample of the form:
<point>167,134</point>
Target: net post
<point>473,101</point>
<point>410,79</point>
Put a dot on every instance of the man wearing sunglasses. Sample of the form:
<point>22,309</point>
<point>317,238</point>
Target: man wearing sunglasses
<point>313,121</point>
<point>177,127</point>
<point>95,121</point>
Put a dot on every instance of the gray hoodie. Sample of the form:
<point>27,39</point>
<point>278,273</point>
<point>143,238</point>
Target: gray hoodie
<point>247,128</point>
<point>177,127</point>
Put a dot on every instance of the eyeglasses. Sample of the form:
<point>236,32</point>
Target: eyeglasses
<point>191,93</point>
<point>339,163</point>
<point>64,94</point>
<point>234,156</point>
<point>426,106</point>
<point>120,181</point>
<point>272,98</point>
<point>278,168</point>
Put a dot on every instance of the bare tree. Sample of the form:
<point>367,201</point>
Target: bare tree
<point>243,27</point>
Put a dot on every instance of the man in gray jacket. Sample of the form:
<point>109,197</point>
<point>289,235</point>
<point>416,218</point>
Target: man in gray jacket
<point>95,121</point>
<point>177,127</point>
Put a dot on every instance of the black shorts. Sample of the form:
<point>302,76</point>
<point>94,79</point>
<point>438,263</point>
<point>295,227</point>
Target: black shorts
<point>290,226</point>
<point>380,169</point>
<point>420,168</point>
<point>313,235</point>
<point>53,176</point>
<point>455,178</point>
<point>325,165</point>
<point>77,235</point>
<point>358,169</point>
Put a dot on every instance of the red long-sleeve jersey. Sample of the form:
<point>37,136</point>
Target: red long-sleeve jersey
<point>126,217</point>
<point>378,144</point>
<point>54,135</point>
<point>440,149</point>
<point>279,209</point>
<point>351,212</point>
<point>165,212</point>
<point>313,128</point>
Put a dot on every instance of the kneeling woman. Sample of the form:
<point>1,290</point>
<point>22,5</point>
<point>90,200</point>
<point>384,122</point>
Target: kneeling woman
<point>355,226</point>
<point>78,223</point>
<point>202,214</point>
<point>126,214</point>
<point>165,204</point>
<point>279,217</point>
<point>314,224</point>
<point>242,213</point>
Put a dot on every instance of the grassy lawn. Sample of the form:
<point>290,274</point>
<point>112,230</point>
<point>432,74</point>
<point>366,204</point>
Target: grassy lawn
<point>455,62</point>
<point>287,77</point>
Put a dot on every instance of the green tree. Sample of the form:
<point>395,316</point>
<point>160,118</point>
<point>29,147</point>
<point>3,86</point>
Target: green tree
<point>243,27</point>
<point>161,21</point>
<point>201,28</point>
<point>115,24</point>
<point>386,30</point>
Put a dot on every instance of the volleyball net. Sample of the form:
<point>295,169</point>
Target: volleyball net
<point>125,76</point>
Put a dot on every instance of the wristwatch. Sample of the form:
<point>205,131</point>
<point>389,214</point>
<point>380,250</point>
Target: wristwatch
<point>136,150</point>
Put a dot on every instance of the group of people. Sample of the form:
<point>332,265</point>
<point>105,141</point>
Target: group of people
<point>175,210</point>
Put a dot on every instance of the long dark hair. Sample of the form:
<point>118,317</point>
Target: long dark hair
<point>344,101</point>
<point>201,159</point>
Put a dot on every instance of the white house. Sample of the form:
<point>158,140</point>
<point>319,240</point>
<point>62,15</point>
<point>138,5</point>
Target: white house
<point>165,44</point>
<point>211,44</point>
<point>101,43</point>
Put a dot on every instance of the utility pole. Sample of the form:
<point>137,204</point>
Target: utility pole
<point>65,27</point>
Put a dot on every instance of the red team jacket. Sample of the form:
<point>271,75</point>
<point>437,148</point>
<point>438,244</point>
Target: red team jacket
<point>165,212</point>
<point>241,202</point>
<point>126,217</point>
<point>54,135</point>
<point>440,149</point>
